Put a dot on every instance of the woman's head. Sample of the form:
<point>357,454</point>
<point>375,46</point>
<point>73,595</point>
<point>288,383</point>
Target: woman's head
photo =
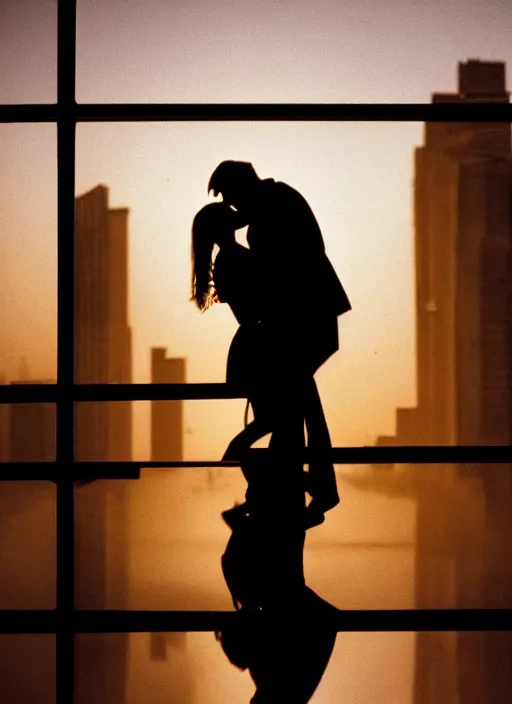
<point>214,224</point>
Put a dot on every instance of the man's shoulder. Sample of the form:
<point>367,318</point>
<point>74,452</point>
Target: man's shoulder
<point>281,188</point>
<point>282,195</point>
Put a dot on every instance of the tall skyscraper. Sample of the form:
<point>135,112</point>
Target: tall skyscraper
<point>32,430</point>
<point>166,416</point>
<point>463,242</point>
<point>102,332</point>
<point>463,207</point>
<point>102,433</point>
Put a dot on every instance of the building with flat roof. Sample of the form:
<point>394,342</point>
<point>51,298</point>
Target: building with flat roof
<point>463,255</point>
<point>32,430</point>
<point>103,350</point>
<point>166,416</point>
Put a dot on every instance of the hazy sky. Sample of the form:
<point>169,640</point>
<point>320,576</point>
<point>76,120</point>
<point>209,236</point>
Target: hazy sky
<point>252,50</point>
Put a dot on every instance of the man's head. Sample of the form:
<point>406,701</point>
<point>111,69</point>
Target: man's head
<point>237,181</point>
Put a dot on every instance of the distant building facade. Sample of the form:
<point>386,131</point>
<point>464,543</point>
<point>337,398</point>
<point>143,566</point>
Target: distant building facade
<point>27,430</point>
<point>103,350</point>
<point>103,432</point>
<point>463,243</point>
<point>32,430</point>
<point>167,445</point>
<point>166,416</point>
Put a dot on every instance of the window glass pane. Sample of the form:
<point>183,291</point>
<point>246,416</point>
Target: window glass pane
<point>460,521</point>
<point>189,668</point>
<point>28,51</point>
<point>415,222</point>
<point>162,179</point>
<point>420,536</point>
<point>378,667</point>
<point>102,668</point>
<point>28,253</point>
<point>156,543</point>
<point>27,431</point>
<point>281,52</point>
<point>102,551</point>
<point>27,669</point>
<point>27,548</point>
<point>168,431</point>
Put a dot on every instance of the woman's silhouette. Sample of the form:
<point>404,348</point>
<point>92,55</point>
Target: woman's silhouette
<point>260,365</point>
<point>232,280</point>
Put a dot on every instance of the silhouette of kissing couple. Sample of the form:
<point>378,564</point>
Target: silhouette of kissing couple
<point>286,297</point>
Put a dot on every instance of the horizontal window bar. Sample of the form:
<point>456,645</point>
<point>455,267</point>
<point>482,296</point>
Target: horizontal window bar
<point>51,471</point>
<point>30,621</point>
<point>416,112</point>
<point>443,454</point>
<point>204,621</point>
<point>29,113</point>
<point>30,471</point>
<point>27,393</point>
<point>30,393</point>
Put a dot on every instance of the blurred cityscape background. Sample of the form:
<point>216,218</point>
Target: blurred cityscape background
<point>402,537</point>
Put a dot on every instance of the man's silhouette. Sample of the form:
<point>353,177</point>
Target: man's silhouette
<point>301,297</point>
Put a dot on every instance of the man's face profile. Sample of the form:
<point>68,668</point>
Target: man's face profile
<point>237,197</point>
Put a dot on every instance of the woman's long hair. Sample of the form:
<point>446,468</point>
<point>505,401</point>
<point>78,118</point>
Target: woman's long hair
<point>208,226</point>
<point>201,254</point>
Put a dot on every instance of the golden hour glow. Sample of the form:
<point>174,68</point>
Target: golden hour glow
<point>416,223</point>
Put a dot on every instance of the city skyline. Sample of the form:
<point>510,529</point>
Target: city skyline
<point>379,280</point>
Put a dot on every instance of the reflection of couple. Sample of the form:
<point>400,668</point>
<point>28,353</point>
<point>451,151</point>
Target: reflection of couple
<point>286,296</point>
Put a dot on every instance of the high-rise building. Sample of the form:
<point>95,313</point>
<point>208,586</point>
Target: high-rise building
<point>463,207</point>
<point>102,433</point>
<point>167,445</point>
<point>166,416</point>
<point>32,430</point>
<point>463,242</point>
<point>102,332</point>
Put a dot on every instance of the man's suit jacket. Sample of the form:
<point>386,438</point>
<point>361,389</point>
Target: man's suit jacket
<point>295,276</point>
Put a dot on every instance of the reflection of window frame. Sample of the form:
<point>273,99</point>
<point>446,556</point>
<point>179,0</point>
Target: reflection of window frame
<point>65,621</point>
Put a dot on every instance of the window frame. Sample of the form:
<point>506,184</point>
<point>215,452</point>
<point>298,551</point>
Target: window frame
<point>65,621</point>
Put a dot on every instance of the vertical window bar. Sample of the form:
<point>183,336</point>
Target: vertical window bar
<point>66,53</point>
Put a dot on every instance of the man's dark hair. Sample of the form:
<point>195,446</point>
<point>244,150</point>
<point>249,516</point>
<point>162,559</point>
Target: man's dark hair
<point>231,172</point>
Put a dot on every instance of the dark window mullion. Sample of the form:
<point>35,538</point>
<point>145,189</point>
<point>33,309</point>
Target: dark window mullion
<point>302,112</point>
<point>268,112</point>
<point>66,61</point>
<point>352,620</point>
